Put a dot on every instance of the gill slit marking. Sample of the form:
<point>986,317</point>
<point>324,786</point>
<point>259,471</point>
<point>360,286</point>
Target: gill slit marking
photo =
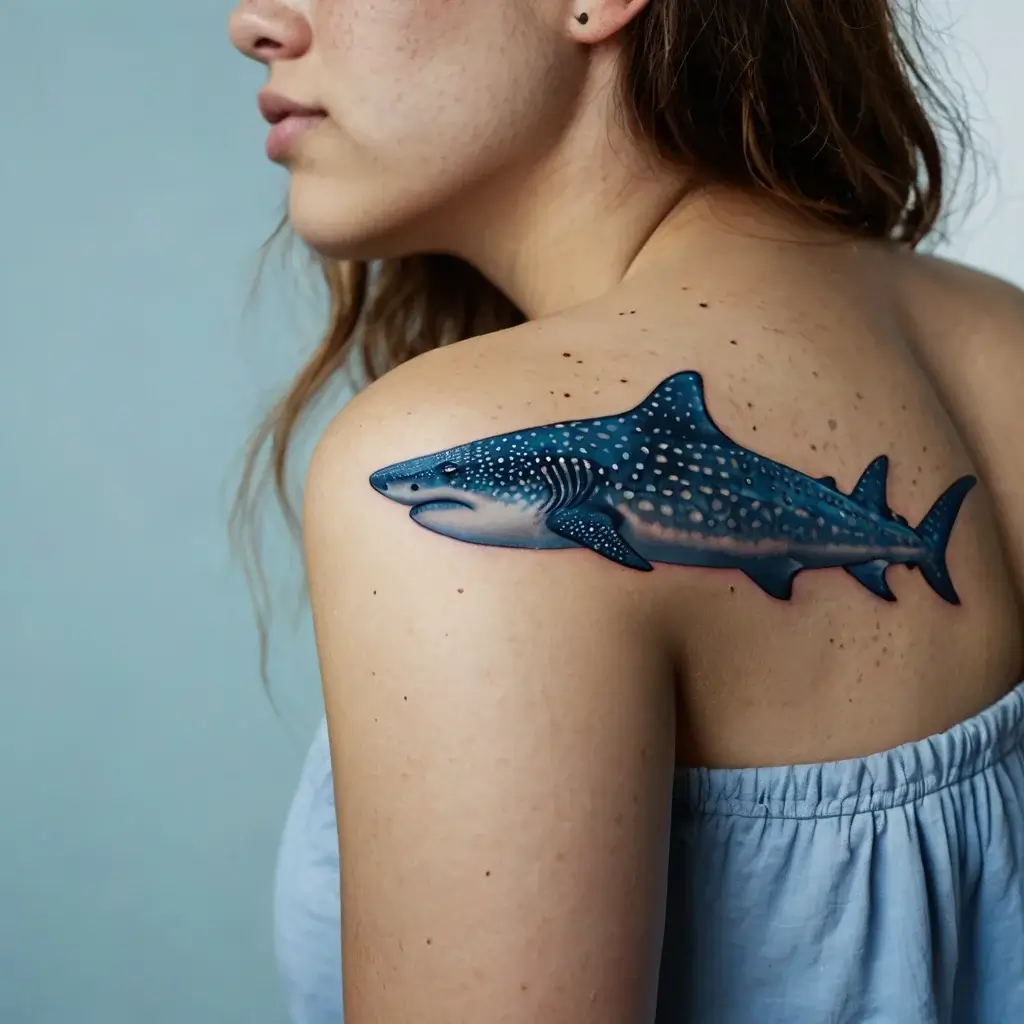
<point>570,481</point>
<point>589,480</point>
<point>561,469</point>
<point>554,486</point>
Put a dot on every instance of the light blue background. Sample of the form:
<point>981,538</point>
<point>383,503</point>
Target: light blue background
<point>143,776</point>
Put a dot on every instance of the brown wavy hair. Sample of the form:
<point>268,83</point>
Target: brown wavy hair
<point>828,106</point>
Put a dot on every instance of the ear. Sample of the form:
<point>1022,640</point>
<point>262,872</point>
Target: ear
<point>594,21</point>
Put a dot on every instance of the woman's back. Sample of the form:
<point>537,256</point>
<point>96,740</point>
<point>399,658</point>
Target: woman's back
<point>821,356</point>
<point>871,888</point>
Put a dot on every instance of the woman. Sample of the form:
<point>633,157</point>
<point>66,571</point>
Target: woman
<point>576,579</point>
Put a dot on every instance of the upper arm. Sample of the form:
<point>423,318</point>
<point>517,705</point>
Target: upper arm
<point>502,739</point>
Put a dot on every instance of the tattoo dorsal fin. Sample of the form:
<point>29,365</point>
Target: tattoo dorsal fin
<point>829,482</point>
<point>870,489</point>
<point>679,401</point>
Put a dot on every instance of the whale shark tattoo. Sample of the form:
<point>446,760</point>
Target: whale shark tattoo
<point>662,483</point>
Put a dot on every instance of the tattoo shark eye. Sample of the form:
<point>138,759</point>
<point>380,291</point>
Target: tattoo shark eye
<point>448,469</point>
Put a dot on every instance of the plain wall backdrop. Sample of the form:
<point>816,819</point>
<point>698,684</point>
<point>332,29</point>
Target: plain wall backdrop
<point>143,776</point>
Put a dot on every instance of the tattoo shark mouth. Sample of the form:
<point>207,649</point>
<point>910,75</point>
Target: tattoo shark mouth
<point>440,504</point>
<point>662,483</point>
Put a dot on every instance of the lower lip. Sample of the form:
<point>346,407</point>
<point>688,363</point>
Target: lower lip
<point>284,136</point>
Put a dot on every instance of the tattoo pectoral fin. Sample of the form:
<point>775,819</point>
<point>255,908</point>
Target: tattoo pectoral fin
<point>597,530</point>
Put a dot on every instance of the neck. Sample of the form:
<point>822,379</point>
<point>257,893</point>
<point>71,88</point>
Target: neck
<point>569,227</point>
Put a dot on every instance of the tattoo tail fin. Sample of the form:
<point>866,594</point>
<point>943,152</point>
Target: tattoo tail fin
<point>934,530</point>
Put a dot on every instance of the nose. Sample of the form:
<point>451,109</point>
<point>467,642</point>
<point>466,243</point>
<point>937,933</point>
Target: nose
<point>268,30</point>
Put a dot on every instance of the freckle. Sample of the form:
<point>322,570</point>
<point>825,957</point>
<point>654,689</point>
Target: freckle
<point>732,590</point>
<point>753,428</point>
<point>814,373</point>
<point>429,941</point>
<point>860,397</point>
<point>568,355</point>
<point>733,342</point>
<point>841,646</point>
<point>832,424</point>
<point>461,590</point>
<point>579,361</point>
<point>814,447</point>
<point>750,405</point>
<point>831,640</point>
<point>925,448</point>
<point>622,380</point>
<point>632,311</point>
<point>567,395</point>
<point>523,986</point>
<point>375,593</point>
<point>487,873</point>
<point>703,305</point>
<point>405,698</point>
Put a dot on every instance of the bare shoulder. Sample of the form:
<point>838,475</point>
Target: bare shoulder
<point>539,369</point>
<point>538,375</point>
<point>970,302</point>
<point>499,725</point>
<point>972,281</point>
<point>458,465</point>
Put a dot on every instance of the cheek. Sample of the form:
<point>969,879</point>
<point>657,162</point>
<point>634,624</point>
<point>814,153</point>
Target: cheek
<point>435,77</point>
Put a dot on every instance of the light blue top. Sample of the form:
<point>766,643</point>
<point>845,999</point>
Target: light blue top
<point>887,889</point>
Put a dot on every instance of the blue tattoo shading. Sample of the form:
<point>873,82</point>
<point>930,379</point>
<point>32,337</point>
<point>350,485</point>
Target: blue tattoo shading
<point>661,483</point>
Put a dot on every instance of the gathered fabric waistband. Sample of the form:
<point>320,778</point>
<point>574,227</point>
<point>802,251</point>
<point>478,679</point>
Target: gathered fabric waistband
<point>877,782</point>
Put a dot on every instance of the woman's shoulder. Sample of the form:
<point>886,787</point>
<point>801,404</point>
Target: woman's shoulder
<point>497,722</point>
<point>450,473</point>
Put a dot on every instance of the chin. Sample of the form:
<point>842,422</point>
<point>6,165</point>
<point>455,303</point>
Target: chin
<point>363,220</point>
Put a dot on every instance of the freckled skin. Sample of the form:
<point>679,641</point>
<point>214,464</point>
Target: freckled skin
<point>426,100</point>
<point>662,483</point>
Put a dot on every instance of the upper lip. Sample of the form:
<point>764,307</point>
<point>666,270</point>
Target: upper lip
<point>275,107</point>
